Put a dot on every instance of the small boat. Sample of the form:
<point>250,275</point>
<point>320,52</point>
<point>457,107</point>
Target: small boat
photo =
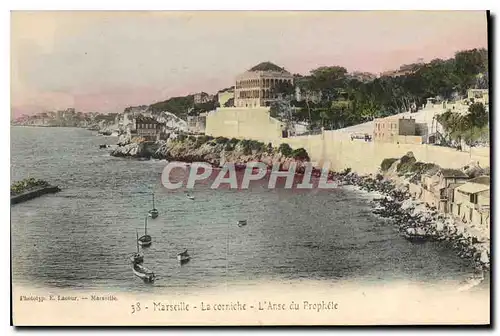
<point>137,257</point>
<point>242,223</point>
<point>191,197</point>
<point>103,146</point>
<point>183,257</point>
<point>105,133</point>
<point>145,240</point>
<point>415,235</point>
<point>153,213</point>
<point>144,273</point>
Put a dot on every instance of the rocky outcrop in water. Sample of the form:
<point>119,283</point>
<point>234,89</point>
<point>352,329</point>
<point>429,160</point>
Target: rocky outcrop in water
<point>215,151</point>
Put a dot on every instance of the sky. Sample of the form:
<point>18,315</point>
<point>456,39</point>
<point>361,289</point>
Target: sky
<point>107,60</point>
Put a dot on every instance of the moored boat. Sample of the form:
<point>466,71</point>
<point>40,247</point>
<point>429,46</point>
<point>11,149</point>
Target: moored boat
<point>144,273</point>
<point>242,223</point>
<point>146,239</point>
<point>137,257</point>
<point>153,213</point>
<point>416,235</point>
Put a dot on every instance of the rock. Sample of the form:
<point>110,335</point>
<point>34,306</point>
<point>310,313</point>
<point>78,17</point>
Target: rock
<point>484,257</point>
<point>473,170</point>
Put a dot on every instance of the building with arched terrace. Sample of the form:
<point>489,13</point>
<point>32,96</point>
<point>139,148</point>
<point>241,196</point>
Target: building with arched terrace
<point>258,86</point>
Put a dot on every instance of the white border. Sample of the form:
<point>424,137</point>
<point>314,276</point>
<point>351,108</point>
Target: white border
<point>183,5</point>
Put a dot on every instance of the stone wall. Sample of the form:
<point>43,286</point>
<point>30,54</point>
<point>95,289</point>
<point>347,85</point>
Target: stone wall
<point>365,157</point>
<point>334,146</point>
<point>243,123</point>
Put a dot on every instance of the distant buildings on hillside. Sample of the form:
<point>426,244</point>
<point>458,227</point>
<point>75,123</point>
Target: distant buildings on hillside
<point>401,130</point>
<point>148,128</point>
<point>478,96</point>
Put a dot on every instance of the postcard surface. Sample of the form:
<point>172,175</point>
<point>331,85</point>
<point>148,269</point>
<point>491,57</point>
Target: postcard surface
<point>250,168</point>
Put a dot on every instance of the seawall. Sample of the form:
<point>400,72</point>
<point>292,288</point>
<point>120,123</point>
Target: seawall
<point>334,147</point>
<point>26,196</point>
<point>365,157</point>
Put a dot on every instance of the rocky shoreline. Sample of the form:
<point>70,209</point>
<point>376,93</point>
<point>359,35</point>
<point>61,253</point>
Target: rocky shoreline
<point>214,151</point>
<point>418,222</point>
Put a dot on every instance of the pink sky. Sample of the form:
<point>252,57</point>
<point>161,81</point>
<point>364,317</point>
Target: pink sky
<point>106,61</point>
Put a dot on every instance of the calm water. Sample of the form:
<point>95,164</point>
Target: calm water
<point>82,236</point>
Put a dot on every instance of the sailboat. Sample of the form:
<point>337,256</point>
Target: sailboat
<point>153,213</point>
<point>137,258</point>
<point>145,240</point>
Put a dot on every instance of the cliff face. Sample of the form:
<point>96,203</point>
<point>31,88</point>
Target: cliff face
<point>212,151</point>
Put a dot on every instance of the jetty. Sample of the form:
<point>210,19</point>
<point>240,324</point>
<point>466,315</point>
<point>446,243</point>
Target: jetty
<point>28,189</point>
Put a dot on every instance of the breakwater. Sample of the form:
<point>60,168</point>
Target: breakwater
<point>28,195</point>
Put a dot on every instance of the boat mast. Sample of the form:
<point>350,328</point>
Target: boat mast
<point>146,225</point>
<point>153,200</point>
<point>137,240</point>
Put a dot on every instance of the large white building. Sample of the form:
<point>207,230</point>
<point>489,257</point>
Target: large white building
<point>257,86</point>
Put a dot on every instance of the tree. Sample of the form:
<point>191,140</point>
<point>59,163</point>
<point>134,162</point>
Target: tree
<point>468,64</point>
<point>478,117</point>
<point>327,79</point>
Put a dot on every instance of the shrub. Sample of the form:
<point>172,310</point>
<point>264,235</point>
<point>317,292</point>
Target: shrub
<point>251,145</point>
<point>202,140</point>
<point>406,164</point>
<point>346,171</point>
<point>285,149</point>
<point>221,140</point>
<point>387,163</point>
<point>192,138</point>
<point>257,145</point>
<point>300,154</point>
<point>234,141</point>
<point>181,137</point>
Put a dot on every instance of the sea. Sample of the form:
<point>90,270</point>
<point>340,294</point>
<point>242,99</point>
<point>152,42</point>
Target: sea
<point>83,236</point>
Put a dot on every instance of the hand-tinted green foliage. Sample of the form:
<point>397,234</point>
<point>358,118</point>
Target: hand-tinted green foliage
<point>347,100</point>
<point>221,140</point>
<point>285,149</point>
<point>469,127</point>
<point>300,154</point>
<point>406,163</point>
<point>176,105</point>
<point>27,184</point>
